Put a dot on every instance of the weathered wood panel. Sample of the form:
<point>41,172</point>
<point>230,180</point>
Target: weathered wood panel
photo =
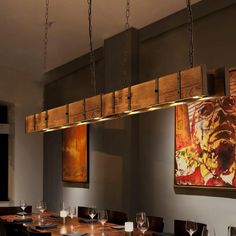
<point>108,102</point>
<point>29,124</point>
<point>40,119</point>
<point>121,101</point>
<point>168,88</point>
<point>76,112</point>
<point>93,107</point>
<point>194,82</point>
<point>143,95</point>
<point>57,117</point>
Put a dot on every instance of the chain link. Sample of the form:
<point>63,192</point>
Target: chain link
<point>92,55</point>
<point>190,29</point>
<point>46,26</point>
<point>127,14</point>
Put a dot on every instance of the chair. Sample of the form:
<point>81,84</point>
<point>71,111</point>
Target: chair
<point>83,212</point>
<point>31,232</point>
<point>179,228</point>
<point>117,217</point>
<point>156,223</point>
<point>232,231</point>
<point>12,229</point>
<point>13,210</point>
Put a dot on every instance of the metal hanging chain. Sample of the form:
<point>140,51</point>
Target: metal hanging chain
<point>46,26</point>
<point>127,14</point>
<point>190,29</point>
<point>92,56</point>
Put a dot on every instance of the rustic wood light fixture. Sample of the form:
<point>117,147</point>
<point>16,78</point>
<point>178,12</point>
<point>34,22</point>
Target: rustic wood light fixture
<point>171,90</point>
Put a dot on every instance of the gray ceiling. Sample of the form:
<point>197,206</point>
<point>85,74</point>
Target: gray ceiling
<point>22,28</point>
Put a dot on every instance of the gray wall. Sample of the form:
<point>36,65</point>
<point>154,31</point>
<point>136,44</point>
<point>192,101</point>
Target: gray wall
<point>132,159</point>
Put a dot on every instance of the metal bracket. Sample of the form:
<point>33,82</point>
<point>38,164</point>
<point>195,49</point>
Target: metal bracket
<point>156,91</point>
<point>67,114</point>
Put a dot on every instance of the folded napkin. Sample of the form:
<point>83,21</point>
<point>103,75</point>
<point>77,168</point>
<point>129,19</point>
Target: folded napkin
<point>23,220</point>
<point>23,213</point>
<point>47,226</point>
<point>85,220</point>
<point>75,234</point>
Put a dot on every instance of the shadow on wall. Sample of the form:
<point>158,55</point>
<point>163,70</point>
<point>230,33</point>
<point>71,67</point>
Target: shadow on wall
<point>212,192</point>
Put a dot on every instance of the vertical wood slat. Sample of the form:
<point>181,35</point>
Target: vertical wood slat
<point>194,82</point>
<point>76,112</point>
<point>108,101</point>
<point>168,88</point>
<point>143,95</point>
<point>93,107</point>
<point>57,117</point>
<point>121,101</point>
<point>29,124</point>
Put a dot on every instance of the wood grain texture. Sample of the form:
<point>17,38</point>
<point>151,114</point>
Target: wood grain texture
<point>107,104</point>
<point>193,82</point>
<point>168,88</point>
<point>121,101</point>
<point>76,112</point>
<point>40,121</point>
<point>93,107</point>
<point>57,117</point>
<point>143,95</point>
<point>29,124</point>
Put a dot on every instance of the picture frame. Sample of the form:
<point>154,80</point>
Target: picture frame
<point>75,154</point>
<point>205,139</point>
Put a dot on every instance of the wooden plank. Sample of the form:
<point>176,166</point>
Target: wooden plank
<point>57,117</point>
<point>108,104</point>
<point>232,81</point>
<point>76,112</point>
<point>143,95</point>
<point>168,88</point>
<point>121,101</point>
<point>40,121</point>
<point>194,82</point>
<point>93,107</point>
<point>29,124</point>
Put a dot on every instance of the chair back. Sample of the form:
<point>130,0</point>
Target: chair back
<point>232,231</point>
<point>156,223</point>
<point>83,212</point>
<point>117,217</point>
<point>31,232</point>
<point>179,228</point>
<point>13,210</point>
<point>12,229</point>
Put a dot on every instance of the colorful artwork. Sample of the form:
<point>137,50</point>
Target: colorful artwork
<point>75,154</point>
<point>205,143</point>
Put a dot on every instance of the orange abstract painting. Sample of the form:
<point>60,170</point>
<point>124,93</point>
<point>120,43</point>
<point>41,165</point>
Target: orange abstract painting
<point>205,143</point>
<point>75,154</point>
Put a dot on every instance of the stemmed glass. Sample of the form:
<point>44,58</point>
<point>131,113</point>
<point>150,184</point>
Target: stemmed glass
<point>23,206</point>
<point>208,232</point>
<point>191,227</point>
<point>64,212</point>
<point>92,212</point>
<point>142,222</point>
<point>102,217</point>
<point>41,206</point>
<point>72,214</point>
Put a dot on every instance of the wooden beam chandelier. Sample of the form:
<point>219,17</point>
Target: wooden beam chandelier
<point>185,86</point>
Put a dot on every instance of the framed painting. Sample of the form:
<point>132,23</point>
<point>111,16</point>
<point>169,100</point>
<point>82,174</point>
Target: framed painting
<point>75,160</point>
<point>205,143</point>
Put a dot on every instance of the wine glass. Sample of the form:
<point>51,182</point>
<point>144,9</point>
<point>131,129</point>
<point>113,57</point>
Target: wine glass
<point>142,223</point>
<point>72,214</point>
<point>140,218</point>
<point>64,212</point>
<point>191,227</point>
<point>208,231</point>
<point>23,206</point>
<point>102,218</point>
<point>92,211</point>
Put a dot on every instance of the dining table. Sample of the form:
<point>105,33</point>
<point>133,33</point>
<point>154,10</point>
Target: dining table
<point>41,222</point>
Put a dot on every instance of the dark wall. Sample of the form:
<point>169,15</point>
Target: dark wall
<point>132,159</point>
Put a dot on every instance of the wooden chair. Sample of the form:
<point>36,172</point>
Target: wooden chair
<point>156,223</point>
<point>31,232</point>
<point>117,217</point>
<point>179,228</point>
<point>83,212</point>
<point>232,231</point>
<point>13,210</point>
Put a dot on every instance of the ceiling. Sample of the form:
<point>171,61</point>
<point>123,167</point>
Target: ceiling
<point>22,28</point>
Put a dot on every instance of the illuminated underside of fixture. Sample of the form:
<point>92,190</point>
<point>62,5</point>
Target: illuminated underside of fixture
<point>167,91</point>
